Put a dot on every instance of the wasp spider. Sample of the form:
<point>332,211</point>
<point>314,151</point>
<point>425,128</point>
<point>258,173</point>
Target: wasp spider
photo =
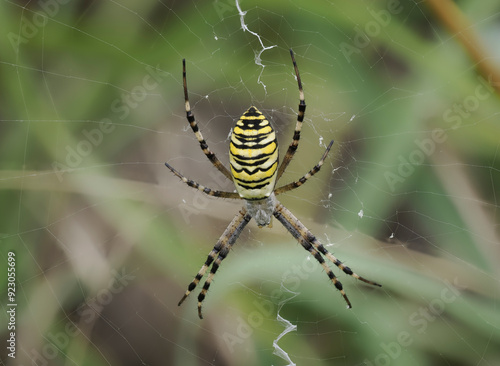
<point>253,156</point>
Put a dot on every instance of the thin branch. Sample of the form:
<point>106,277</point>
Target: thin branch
<point>459,25</point>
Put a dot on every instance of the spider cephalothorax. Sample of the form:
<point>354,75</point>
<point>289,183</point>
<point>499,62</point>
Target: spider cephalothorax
<point>253,155</point>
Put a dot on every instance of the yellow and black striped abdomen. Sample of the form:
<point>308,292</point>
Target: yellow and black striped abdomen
<point>253,154</point>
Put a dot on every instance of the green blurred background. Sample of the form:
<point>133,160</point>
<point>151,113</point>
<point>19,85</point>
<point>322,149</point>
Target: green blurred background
<point>106,239</point>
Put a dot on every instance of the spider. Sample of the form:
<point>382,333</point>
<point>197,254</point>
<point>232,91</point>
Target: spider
<point>253,156</point>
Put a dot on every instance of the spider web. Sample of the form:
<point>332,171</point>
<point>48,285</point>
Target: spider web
<point>106,239</point>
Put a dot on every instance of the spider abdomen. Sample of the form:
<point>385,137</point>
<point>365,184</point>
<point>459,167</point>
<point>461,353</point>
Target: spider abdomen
<point>253,154</point>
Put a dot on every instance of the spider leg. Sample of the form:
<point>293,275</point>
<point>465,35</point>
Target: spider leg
<point>300,117</point>
<point>309,247</point>
<point>220,250</point>
<point>194,126</point>
<point>314,170</point>
<point>289,220</point>
<point>206,190</point>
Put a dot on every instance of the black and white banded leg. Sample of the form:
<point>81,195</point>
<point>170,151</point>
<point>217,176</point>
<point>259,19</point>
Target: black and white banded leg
<point>194,126</point>
<point>298,126</point>
<point>303,179</point>
<point>306,238</point>
<point>217,255</point>
<point>206,190</point>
